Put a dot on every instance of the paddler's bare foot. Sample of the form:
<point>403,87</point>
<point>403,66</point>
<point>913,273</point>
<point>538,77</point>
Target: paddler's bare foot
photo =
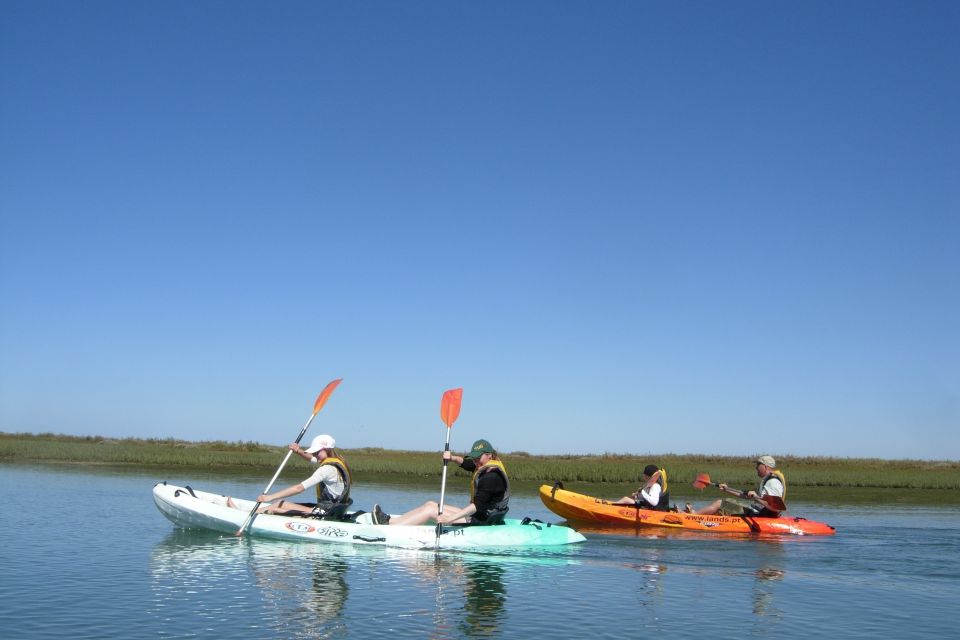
<point>230,503</point>
<point>688,508</point>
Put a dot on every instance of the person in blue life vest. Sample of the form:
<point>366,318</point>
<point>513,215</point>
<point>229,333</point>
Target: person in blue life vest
<point>332,480</point>
<point>489,493</point>
<point>653,494</point>
<point>772,483</point>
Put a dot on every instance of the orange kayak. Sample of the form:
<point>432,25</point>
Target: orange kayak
<point>582,508</point>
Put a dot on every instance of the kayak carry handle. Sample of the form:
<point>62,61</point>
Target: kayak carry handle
<point>369,538</point>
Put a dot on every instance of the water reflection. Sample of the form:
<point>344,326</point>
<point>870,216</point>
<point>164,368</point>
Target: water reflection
<point>284,589</point>
<point>329,590</point>
<point>470,593</point>
<point>308,592</point>
<point>288,590</point>
<point>484,598</point>
<point>770,552</point>
<point>650,591</point>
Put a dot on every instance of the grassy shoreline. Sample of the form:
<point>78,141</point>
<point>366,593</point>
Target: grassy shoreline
<point>603,470</point>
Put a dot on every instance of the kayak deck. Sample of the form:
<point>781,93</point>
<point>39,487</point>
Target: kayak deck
<point>583,508</point>
<point>192,508</point>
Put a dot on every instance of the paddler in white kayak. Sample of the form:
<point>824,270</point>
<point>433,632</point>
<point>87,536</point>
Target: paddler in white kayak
<point>489,493</point>
<point>332,480</point>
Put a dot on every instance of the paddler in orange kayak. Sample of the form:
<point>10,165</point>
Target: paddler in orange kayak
<point>772,483</point>
<point>653,494</point>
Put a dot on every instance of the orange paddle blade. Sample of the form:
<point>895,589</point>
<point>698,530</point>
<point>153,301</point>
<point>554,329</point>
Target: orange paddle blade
<point>450,406</point>
<point>774,503</point>
<point>324,395</point>
<point>702,480</point>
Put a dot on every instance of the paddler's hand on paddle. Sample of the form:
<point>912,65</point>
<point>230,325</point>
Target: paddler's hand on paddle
<point>723,486</point>
<point>283,493</point>
<point>297,449</point>
<point>449,456</point>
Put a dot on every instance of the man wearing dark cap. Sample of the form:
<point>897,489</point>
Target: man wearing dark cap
<point>653,494</point>
<point>489,493</point>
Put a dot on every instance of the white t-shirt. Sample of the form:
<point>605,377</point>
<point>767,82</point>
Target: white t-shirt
<point>328,475</point>
<point>773,487</point>
<point>652,495</point>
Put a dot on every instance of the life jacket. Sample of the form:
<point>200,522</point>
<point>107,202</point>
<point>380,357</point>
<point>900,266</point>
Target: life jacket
<point>773,473</point>
<point>499,509</point>
<point>325,500</point>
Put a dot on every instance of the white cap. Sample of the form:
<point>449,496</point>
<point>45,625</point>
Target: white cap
<point>766,460</point>
<point>323,441</point>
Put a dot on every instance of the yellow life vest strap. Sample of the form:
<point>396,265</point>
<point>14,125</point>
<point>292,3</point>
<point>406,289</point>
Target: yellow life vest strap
<point>344,471</point>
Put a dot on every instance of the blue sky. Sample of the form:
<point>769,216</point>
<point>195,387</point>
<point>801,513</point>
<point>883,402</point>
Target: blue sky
<point>629,227</point>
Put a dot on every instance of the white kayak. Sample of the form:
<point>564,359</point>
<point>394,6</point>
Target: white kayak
<point>194,509</point>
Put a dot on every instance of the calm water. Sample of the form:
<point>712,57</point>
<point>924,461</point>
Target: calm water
<point>87,555</point>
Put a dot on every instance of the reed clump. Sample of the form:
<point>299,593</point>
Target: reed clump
<point>802,471</point>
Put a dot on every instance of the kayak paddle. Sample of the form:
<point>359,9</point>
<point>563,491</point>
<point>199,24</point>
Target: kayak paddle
<point>773,503</point>
<point>321,400</point>
<point>449,411</point>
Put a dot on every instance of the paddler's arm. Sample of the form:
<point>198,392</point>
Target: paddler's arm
<point>734,492</point>
<point>636,495</point>
<point>283,493</point>
<point>449,456</point>
<point>297,449</point>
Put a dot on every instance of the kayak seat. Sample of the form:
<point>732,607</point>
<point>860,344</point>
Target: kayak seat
<point>536,522</point>
<point>495,519</point>
<point>336,512</point>
<point>556,485</point>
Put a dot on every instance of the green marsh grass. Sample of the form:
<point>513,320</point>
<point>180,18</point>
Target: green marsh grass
<point>604,469</point>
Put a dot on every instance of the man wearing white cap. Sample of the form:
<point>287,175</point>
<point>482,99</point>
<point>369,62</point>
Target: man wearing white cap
<point>772,483</point>
<point>332,480</point>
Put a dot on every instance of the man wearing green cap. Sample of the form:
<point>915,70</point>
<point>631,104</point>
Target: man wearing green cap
<point>489,493</point>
